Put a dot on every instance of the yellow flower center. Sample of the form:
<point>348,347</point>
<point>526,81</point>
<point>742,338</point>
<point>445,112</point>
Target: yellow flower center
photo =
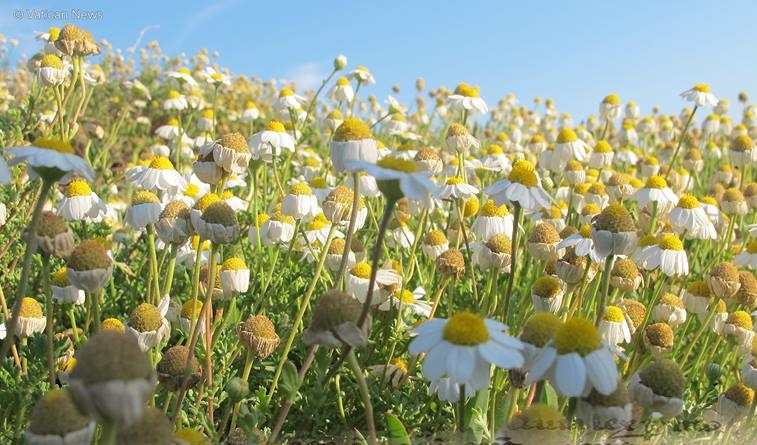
<point>54,144</point>
<point>184,70</point>
<point>191,309</point>
<point>612,99</point>
<point>318,223</point>
<point>671,242</point>
<point>301,188</point>
<point>603,147</point>
<point>546,287</point>
<point>577,335</point>
<point>206,200</point>
<point>51,61</point>
<point>112,324</point>
<point>752,246</point>
<point>401,165</point>
<point>276,126</point>
<point>491,209</point>
<point>362,270</point>
<point>192,190</point>
<point>161,163</point>
<point>319,182</point>
<point>234,263</point>
<point>688,202</point>
<point>78,187</point>
<point>585,231</point>
<point>30,308</point>
<point>60,277</point>
<point>614,314</point>
<point>406,297</point>
<point>566,135</point>
<point>216,76</point>
<point>466,329</point>
<point>741,319</point>
<point>400,363</point>
<point>494,149</point>
<point>173,94</point>
<point>702,88</point>
<point>454,180</point>
<point>466,90</point>
<point>343,82</point>
<point>286,92</point>
<point>352,129</point>
<point>656,182</point>
<point>144,197</point>
<point>523,173</point>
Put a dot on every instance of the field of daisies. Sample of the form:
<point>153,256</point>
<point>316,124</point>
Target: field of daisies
<point>191,256</point>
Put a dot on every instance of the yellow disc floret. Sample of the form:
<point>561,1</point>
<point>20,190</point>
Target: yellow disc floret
<point>614,314</point>
<point>397,164</point>
<point>352,129</point>
<point>466,329</point>
<point>362,270</point>
<point>577,335</point>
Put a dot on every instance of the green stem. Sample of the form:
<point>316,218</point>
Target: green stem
<point>605,286</point>
<point>680,142</point>
<point>50,319</point>
<point>363,387</point>
<point>304,303</point>
<point>31,247</point>
<point>350,230</point>
<point>514,261</point>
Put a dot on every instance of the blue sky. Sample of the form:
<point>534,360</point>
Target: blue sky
<point>575,52</point>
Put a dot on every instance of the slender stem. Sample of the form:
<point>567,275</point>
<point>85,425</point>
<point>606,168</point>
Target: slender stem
<point>284,410</point>
<point>245,377</point>
<point>50,319</point>
<point>514,261</point>
<point>680,142</point>
<point>605,286</point>
<point>699,333</point>
<point>461,409</point>
<point>196,331</point>
<point>108,436</point>
<point>304,303</point>
<point>72,319</point>
<point>376,257</point>
<point>31,247</point>
<point>350,230</point>
<point>363,387</point>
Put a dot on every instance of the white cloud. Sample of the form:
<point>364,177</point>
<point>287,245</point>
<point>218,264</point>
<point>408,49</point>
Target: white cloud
<point>193,23</point>
<point>307,76</point>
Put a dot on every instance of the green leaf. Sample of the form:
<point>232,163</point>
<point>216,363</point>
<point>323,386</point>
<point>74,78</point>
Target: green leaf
<point>290,381</point>
<point>396,431</point>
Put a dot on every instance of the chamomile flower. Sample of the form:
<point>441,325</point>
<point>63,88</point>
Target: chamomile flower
<point>547,294</point>
<point>459,140</point>
<point>580,361</point>
<point>358,280</point>
<point>175,101</point>
<point>300,202</point>
<point>610,107</point>
<point>455,188</point>
<point>403,298</point>
<point>51,158</point>
<point>464,347</point>
<point>342,90</point>
<point>495,253</point>
<point>80,203</point>
<point>669,256</point>
<point>52,71</point>
<point>352,141</point>
<point>659,388</point>
<point>362,75</point>
<point>145,209</point>
<point>235,276</point>
<point>183,75</point>
<point>467,98</point>
<point>269,143</point>
<point>690,218</point>
<point>522,186</point>
<point>397,178</point>
<point>159,174</point>
<point>656,192</point>
<point>613,232</point>
<point>701,95</point>
<point>614,327</point>
<point>568,146</point>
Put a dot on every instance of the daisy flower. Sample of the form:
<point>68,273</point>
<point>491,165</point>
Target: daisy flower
<point>300,202</point>
<point>467,98</point>
<point>459,140</point>
<point>701,95</point>
<point>169,131</point>
<point>397,178</point>
<point>669,310</point>
<point>580,361</point>
<point>342,90</point>
<point>495,253</point>
<point>145,209</point>
<point>352,141</point>
<point>610,107</point>
<point>456,188</point>
<point>251,111</point>
<point>522,186</point>
<point>158,175</point>
<point>358,280</point>
<point>463,348</point>
<point>581,242</point>
<point>613,232</point>
<point>183,75</point>
<point>669,256</point>
<point>175,101</point>
<point>80,203</point>
<point>51,158</point>
<point>269,143</point>
<point>656,192</point>
<point>689,217</point>
<point>659,388</point>
<point>288,100</point>
<point>568,146</point>
<point>614,327</point>
<point>402,298</point>
<point>492,220</point>
<point>362,75</point>
<point>52,71</point>
<point>215,77</point>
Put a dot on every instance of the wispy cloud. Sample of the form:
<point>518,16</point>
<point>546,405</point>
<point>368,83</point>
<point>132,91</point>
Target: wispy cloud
<point>193,23</point>
<point>306,76</point>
